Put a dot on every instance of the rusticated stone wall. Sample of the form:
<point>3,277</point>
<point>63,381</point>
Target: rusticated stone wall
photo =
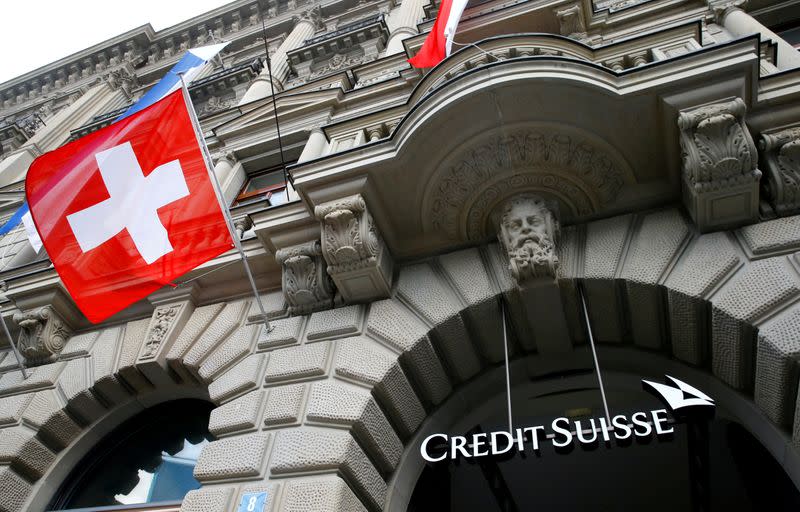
<point>318,411</point>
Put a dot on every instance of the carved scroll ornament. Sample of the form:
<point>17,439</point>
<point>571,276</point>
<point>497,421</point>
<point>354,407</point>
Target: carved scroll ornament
<point>781,151</point>
<point>306,285</point>
<point>43,334</point>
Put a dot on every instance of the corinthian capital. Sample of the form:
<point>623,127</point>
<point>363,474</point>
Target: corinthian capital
<point>529,232</point>
<point>42,335</point>
<point>721,8</point>
<point>306,285</point>
<point>311,15</point>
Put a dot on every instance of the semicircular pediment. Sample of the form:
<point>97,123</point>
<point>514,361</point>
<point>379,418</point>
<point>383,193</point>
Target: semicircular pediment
<point>576,169</point>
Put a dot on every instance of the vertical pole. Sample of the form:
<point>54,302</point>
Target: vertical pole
<point>594,351</point>
<point>508,370</point>
<point>14,348</point>
<point>275,109</point>
<point>223,206</point>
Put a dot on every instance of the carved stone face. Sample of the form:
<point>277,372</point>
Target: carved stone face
<point>528,231</point>
<point>524,224</point>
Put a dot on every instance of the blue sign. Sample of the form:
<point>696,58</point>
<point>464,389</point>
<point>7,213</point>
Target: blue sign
<point>253,502</point>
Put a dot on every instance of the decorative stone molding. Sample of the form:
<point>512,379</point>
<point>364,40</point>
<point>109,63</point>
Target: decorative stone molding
<point>571,21</point>
<point>721,8</point>
<point>163,318</point>
<point>720,178</point>
<point>528,232</point>
<point>585,173</point>
<point>780,150</point>
<point>42,336</point>
<point>358,260</point>
<point>306,285</point>
<point>312,15</point>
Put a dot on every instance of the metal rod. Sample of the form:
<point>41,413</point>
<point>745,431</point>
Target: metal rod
<point>14,348</point>
<point>594,351</point>
<point>275,109</point>
<point>508,370</point>
<point>218,191</point>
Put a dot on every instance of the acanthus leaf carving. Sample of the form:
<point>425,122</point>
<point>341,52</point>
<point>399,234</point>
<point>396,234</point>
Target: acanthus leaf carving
<point>306,285</point>
<point>43,334</point>
<point>781,152</point>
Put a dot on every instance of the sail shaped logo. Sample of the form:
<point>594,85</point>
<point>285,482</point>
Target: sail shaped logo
<point>679,396</point>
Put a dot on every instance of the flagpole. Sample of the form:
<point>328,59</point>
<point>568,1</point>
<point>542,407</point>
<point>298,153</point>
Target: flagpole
<point>14,348</point>
<point>218,190</point>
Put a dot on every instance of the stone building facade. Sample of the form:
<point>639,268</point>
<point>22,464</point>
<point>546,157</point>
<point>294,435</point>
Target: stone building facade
<point>644,151</point>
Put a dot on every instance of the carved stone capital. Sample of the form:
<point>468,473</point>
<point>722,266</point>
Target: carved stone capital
<point>306,285</point>
<point>529,232</point>
<point>312,15</point>
<point>780,150</point>
<point>225,155</point>
<point>357,257</point>
<point>42,335</point>
<point>720,179</point>
<point>722,8</point>
<point>571,21</point>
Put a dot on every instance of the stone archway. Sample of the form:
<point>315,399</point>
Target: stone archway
<point>319,411</point>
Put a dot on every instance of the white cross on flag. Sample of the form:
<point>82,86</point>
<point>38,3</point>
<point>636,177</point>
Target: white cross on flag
<point>127,209</point>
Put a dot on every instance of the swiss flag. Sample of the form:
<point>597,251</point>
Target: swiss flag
<point>127,209</point>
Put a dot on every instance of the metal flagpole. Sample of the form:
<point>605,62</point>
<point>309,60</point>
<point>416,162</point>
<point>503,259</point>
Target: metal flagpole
<point>218,190</point>
<point>594,351</point>
<point>508,371</point>
<point>14,348</point>
<point>275,109</point>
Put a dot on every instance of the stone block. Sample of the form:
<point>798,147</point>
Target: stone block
<point>245,375</point>
<point>56,427</point>
<point>197,323</point>
<point>274,304</point>
<point>421,288</point>
<point>295,363</point>
<point>26,454</point>
<point>777,374</point>
<point>238,415</point>
<point>285,331</point>
<point>75,384</point>
<point>208,499</point>
<point>39,377</point>
<point>763,286</point>
<point>79,345</point>
<point>772,237</point>
<point>305,450</point>
<point>233,458</point>
<point>654,248</point>
<point>223,326</point>
<point>334,323</point>
<point>468,274</point>
<point>606,241</point>
<point>702,268</point>
<point>104,354</point>
<point>132,339</point>
<point>14,490</point>
<point>229,351</point>
<point>285,405</point>
<point>363,361</point>
<point>393,324</point>
<point>325,494</point>
<point>341,404</point>
<point>11,408</point>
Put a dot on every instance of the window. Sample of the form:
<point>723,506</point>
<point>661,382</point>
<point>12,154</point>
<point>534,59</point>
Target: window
<point>269,184</point>
<point>148,460</point>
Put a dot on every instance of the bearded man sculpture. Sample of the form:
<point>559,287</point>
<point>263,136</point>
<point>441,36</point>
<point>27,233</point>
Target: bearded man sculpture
<point>529,231</point>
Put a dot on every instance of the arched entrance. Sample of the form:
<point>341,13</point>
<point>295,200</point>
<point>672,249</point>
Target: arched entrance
<point>652,472</point>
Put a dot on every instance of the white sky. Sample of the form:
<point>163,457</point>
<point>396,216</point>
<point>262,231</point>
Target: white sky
<point>37,32</point>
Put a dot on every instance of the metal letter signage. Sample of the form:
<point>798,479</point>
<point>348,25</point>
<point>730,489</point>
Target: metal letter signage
<point>681,398</point>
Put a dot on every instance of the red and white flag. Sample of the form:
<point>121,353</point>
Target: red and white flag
<point>127,209</point>
<point>438,44</point>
